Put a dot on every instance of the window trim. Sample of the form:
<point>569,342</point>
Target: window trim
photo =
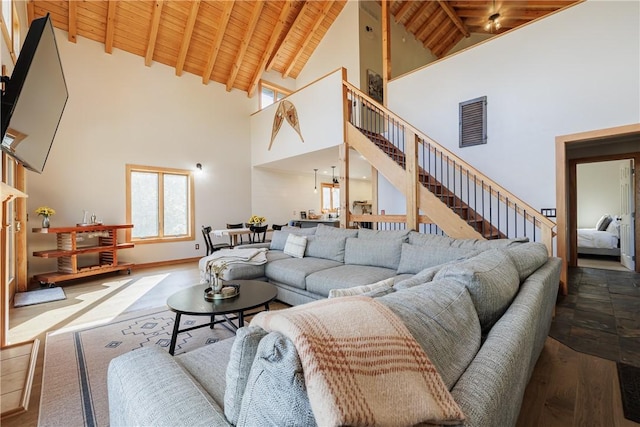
<point>331,186</point>
<point>191,204</point>
<point>275,88</point>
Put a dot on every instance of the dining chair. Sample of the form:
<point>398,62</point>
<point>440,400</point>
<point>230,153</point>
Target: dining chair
<point>211,247</point>
<point>259,233</point>
<point>277,227</point>
<point>240,237</point>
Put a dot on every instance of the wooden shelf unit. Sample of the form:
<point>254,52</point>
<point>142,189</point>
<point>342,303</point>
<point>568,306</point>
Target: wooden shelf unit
<point>67,251</point>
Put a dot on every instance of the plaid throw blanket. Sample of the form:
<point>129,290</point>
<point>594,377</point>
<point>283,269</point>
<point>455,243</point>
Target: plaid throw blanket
<point>361,364</point>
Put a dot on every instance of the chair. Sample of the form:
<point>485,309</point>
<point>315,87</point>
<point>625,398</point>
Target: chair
<point>257,231</point>
<point>233,226</point>
<point>211,248</point>
<point>277,227</point>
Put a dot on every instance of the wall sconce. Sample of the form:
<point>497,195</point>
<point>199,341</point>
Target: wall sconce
<point>315,180</point>
<point>369,31</point>
<point>198,167</point>
<point>333,176</point>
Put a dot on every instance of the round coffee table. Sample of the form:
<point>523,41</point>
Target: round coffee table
<point>190,301</point>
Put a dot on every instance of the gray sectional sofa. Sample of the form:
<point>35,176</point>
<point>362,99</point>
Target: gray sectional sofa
<point>481,311</point>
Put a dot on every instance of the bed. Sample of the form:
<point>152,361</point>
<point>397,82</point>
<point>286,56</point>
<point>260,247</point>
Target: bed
<point>602,240</point>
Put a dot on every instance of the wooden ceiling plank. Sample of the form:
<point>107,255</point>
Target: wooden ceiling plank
<point>287,38</point>
<point>435,36</point>
<point>270,46</point>
<point>255,15</point>
<point>454,17</point>
<point>419,13</point>
<point>186,38</point>
<point>111,25</point>
<point>446,43</point>
<point>31,13</point>
<point>73,23</point>
<point>434,24</point>
<point>217,42</point>
<point>153,32</point>
<point>319,19</point>
<point>403,10</point>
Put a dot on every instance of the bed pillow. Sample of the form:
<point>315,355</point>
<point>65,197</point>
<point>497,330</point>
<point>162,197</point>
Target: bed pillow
<point>614,228</point>
<point>603,222</point>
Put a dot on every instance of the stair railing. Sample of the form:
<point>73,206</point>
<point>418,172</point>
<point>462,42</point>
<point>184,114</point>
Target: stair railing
<point>491,209</point>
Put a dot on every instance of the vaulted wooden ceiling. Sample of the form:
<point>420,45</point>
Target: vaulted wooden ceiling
<point>234,42</point>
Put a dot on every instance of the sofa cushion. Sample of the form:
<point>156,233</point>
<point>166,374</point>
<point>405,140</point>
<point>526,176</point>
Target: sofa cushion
<point>330,231</point>
<point>279,237</point>
<point>414,259</point>
<point>442,319</point>
<point>365,233</point>
<point>345,276</point>
<point>198,364</point>
<point>275,394</point>
<point>492,281</point>
<point>381,286</point>
<point>420,278</point>
<point>241,358</point>
<point>425,239</point>
<point>293,271</point>
<point>295,245</point>
<point>326,247</point>
<point>482,244</point>
<point>373,252</point>
<point>528,258</point>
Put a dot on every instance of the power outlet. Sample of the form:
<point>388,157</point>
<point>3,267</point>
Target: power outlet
<point>295,213</point>
<point>197,246</point>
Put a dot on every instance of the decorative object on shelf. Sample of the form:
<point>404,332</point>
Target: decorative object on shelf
<point>46,212</point>
<point>215,276</point>
<point>286,110</point>
<point>256,220</point>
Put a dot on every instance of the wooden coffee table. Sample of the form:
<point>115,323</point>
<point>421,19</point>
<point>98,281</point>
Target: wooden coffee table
<point>190,301</point>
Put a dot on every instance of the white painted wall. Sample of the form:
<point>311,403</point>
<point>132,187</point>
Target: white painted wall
<point>120,112</point>
<point>598,191</point>
<point>557,76</point>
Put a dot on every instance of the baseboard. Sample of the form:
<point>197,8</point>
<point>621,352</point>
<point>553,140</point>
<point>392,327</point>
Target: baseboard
<point>164,263</point>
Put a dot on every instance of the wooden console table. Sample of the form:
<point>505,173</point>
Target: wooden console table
<point>67,252</point>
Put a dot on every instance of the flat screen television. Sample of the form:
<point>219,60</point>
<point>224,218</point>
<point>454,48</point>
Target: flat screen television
<point>34,98</point>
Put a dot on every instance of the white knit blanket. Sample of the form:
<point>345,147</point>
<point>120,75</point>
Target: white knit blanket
<point>249,256</point>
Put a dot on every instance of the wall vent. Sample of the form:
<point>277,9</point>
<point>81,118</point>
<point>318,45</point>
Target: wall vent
<point>473,122</point>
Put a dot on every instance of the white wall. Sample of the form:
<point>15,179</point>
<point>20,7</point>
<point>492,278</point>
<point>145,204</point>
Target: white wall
<point>557,76</point>
<point>338,48</point>
<point>120,112</point>
<point>598,191</point>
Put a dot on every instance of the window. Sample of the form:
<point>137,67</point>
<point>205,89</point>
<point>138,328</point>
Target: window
<point>270,93</point>
<point>330,197</point>
<point>160,204</point>
<point>473,122</point>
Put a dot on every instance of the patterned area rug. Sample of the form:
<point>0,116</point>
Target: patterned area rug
<point>74,383</point>
<point>630,391</point>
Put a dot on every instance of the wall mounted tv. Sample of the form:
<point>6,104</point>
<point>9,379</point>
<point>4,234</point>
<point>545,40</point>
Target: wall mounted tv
<point>34,98</point>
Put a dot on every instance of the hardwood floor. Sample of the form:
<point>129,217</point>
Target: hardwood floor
<point>567,388</point>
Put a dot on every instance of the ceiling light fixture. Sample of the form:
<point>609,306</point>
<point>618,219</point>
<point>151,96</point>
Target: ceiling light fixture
<point>493,24</point>
<point>315,180</point>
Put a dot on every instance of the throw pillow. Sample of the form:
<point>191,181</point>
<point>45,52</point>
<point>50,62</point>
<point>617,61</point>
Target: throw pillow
<point>295,245</point>
<point>374,252</point>
<point>319,246</point>
<point>382,285</point>
<point>601,221</point>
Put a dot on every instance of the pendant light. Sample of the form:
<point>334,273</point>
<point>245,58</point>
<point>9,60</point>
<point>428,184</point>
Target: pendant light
<point>315,180</point>
<point>494,20</point>
<point>333,176</point>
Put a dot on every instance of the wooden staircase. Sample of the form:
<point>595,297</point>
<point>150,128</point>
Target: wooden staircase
<point>457,205</point>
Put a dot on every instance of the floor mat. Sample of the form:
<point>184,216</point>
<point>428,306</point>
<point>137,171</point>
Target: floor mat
<point>39,296</point>
<point>630,390</point>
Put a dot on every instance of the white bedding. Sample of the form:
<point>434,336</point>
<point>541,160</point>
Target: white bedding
<point>592,238</point>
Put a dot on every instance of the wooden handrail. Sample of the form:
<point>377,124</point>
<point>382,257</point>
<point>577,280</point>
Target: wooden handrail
<point>487,183</point>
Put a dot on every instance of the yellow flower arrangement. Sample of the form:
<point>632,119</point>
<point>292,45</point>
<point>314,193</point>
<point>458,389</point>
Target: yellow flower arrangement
<point>255,219</point>
<point>45,211</point>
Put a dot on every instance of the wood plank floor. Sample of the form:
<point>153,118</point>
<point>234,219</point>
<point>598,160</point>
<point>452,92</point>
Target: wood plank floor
<point>567,388</point>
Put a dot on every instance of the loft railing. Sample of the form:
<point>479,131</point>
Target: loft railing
<point>486,206</point>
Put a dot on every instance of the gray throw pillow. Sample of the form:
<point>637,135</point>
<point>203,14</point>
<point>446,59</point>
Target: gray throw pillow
<point>330,231</point>
<point>365,233</point>
<point>326,247</point>
<point>374,252</point>
<point>527,258</point>
<point>414,258</point>
<point>241,358</point>
<point>492,281</point>
<point>279,237</point>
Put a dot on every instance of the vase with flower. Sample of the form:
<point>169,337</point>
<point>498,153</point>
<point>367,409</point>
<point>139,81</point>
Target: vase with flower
<point>45,212</point>
<point>256,220</point>
<point>215,276</point>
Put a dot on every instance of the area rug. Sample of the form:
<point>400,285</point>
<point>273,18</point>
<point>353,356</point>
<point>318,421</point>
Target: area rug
<point>74,383</point>
<point>39,296</point>
<point>630,390</point>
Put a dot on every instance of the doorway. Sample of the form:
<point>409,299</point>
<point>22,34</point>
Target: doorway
<point>606,144</point>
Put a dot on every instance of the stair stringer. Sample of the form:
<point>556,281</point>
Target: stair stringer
<point>448,221</point>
